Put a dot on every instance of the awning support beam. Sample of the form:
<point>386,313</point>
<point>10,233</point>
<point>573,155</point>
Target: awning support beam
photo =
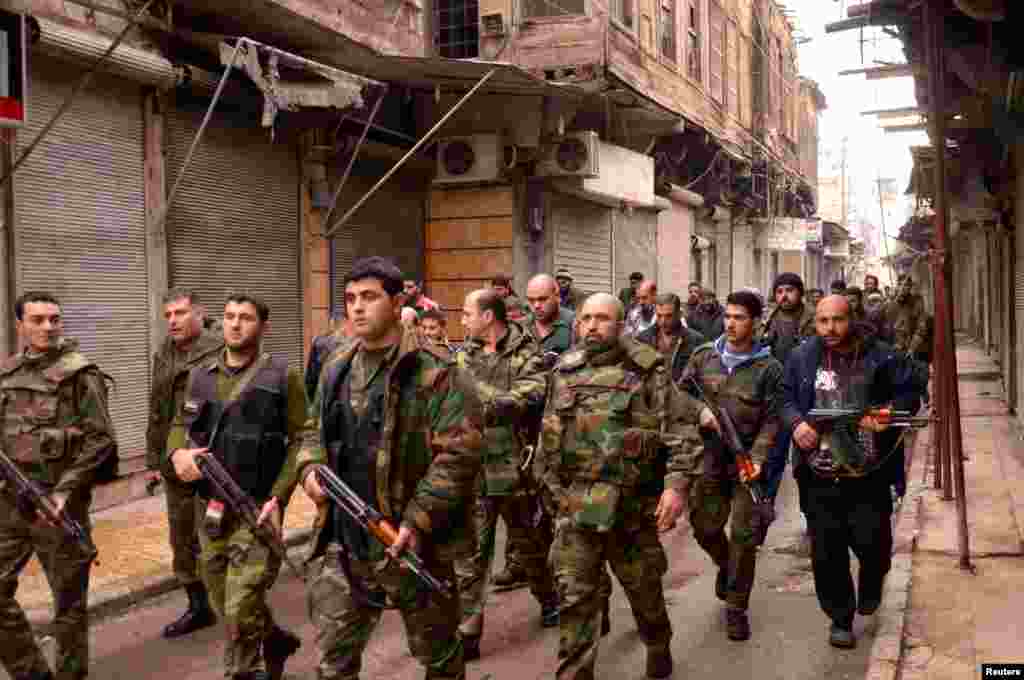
<point>355,154</point>
<point>409,154</point>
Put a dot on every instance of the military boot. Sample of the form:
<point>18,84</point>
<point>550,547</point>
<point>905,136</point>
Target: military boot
<point>659,662</point>
<point>277,647</point>
<point>470,647</point>
<point>737,625</point>
<point>251,675</point>
<point>35,675</point>
<point>197,616</point>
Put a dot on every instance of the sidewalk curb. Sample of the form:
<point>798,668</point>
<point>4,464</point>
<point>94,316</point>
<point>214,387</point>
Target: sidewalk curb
<point>890,620</point>
<point>114,602</point>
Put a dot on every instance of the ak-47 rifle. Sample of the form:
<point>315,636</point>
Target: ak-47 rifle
<point>884,416</point>
<point>30,499</point>
<point>370,519</point>
<point>245,507</point>
<point>730,439</point>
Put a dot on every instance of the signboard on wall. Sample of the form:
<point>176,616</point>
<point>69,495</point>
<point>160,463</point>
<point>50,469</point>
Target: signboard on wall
<point>13,83</point>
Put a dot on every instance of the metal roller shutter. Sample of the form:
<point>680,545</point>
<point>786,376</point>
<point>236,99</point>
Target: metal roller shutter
<point>636,246</point>
<point>583,241</point>
<point>234,225</point>
<point>390,224</point>
<point>81,233</point>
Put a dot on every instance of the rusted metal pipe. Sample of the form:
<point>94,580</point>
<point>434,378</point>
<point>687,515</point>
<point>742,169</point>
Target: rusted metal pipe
<point>940,433</point>
<point>933,18</point>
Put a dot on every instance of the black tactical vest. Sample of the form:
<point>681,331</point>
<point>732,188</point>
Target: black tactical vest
<point>352,442</point>
<point>249,433</point>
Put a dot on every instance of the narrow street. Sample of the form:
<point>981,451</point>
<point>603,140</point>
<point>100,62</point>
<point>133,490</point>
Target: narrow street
<point>789,640</point>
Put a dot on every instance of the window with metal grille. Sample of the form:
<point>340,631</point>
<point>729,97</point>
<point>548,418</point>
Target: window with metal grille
<point>693,53</point>
<point>553,8</point>
<point>456,29</point>
<point>667,28</point>
<point>622,11</point>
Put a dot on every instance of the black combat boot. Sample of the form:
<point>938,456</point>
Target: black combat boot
<point>35,675</point>
<point>470,647</point>
<point>277,647</point>
<point>251,675</point>
<point>737,625</point>
<point>842,636</point>
<point>659,662</point>
<point>197,616</point>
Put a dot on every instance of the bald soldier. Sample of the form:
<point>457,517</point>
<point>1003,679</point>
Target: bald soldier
<point>610,457</point>
<point>847,498</point>
<point>641,316</point>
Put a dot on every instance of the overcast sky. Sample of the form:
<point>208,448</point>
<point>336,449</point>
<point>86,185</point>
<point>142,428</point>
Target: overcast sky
<point>870,152</point>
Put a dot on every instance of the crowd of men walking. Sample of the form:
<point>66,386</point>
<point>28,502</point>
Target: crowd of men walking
<point>588,424</point>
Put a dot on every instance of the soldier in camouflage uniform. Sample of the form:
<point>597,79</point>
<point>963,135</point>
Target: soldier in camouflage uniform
<point>254,407</point>
<point>393,420</point>
<point>904,321</point>
<point>187,344</point>
<point>613,425</point>
<point>507,372</point>
<point>669,336</point>
<point>57,430</point>
<point>746,382</point>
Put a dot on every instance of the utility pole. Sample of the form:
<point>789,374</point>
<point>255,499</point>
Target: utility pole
<point>842,187</point>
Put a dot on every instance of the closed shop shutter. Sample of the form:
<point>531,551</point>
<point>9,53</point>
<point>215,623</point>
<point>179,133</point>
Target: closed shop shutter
<point>234,225</point>
<point>1019,317</point>
<point>390,224</point>
<point>81,234</point>
<point>583,241</point>
<point>1012,298</point>
<point>635,246</point>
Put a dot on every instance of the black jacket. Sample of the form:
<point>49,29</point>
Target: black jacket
<point>689,340</point>
<point>710,325</point>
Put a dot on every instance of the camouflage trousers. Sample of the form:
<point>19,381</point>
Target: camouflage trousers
<point>712,504</point>
<point>183,517</point>
<point>578,558</point>
<point>345,620</point>
<point>238,570</point>
<point>523,517</point>
<point>67,571</point>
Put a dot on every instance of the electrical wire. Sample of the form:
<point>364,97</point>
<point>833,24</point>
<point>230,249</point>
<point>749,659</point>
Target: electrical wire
<point>704,174</point>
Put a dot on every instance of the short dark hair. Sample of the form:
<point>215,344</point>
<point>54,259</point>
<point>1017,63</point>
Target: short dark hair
<point>384,270</point>
<point>872,277</point>
<point>31,296</point>
<point>838,284</point>
<point>747,300</point>
<point>636,276</point>
<point>501,280</point>
<point>669,299</point>
<point>262,310</point>
<point>181,293</point>
<point>435,314</point>
<point>489,301</point>
<point>692,284</point>
<point>854,290</point>
<point>815,290</point>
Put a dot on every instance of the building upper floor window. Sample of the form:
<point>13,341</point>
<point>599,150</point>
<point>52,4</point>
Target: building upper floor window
<point>553,8</point>
<point>667,28</point>
<point>693,41</point>
<point>624,11</point>
<point>457,29</point>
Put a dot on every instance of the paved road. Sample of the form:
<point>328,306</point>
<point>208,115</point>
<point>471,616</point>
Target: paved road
<point>789,631</point>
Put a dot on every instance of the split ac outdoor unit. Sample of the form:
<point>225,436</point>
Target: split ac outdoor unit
<point>473,158</point>
<point>573,155</point>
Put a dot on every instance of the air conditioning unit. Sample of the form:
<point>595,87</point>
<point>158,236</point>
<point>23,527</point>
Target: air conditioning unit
<point>573,155</point>
<point>473,158</point>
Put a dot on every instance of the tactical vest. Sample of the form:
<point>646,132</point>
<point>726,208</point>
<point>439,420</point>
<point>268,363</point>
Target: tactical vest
<point>352,442</point>
<point>30,404</point>
<point>250,435</point>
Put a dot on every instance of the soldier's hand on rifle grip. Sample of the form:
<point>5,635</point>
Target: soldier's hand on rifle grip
<point>806,437</point>
<point>311,485</point>
<point>270,515</point>
<point>408,539</point>
<point>670,506</point>
<point>184,461</point>
<point>708,421</point>
<point>755,473</point>
<point>873,424</point>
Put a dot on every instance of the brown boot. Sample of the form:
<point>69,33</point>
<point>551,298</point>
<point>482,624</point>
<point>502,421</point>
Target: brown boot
<point>659,662</point>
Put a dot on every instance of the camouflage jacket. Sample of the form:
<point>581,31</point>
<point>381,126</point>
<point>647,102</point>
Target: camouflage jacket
<point>905,324</point>
<point>561,337</point>
<point>686,341</point>
<point>56,422</point>
<point>430,447</point>
<point>510,385</point>
<point>751,394</point>
<point>614,425</point>
<point>780,345</point>
<point>170,374</point>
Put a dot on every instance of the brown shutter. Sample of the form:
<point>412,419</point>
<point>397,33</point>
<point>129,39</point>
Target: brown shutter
<point>716,54</point>
<point>732,79</point>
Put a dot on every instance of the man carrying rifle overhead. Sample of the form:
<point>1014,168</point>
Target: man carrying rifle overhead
<point>246,409</point>
<point>393,422</point>
<point>743,382</point>
<point>58,435</point>
<point>852,461</point>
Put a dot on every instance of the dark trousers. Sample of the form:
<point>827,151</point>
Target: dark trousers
<point>844,515</point>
